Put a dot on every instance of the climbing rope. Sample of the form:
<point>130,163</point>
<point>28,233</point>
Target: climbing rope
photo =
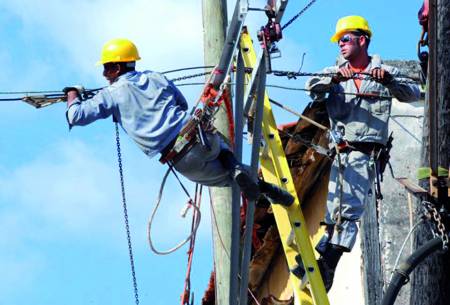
<point>125,214</point>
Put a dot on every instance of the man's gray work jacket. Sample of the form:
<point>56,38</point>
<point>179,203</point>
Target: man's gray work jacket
<point>149,108</point>
<point>363,118</point>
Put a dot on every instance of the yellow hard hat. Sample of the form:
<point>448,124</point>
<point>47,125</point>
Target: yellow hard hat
<point>118,50</point>
<point>350,23</point>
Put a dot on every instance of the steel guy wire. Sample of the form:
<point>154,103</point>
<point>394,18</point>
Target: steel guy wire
<point>190,76</point>
<point>188,68</point>
<point>288,74</point>
<point>58,92</point>
<point>363,76</point>
<point>298,14</point>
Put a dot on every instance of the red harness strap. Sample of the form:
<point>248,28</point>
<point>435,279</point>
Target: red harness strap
<point>209,97</point>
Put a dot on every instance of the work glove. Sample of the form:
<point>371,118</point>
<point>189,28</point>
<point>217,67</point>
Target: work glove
<point>380,75</point>
<point>78,88</point>
<point>71,93</point>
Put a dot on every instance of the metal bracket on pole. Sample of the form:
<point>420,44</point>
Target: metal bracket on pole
<point>236,196</point>
<point>257,127</point>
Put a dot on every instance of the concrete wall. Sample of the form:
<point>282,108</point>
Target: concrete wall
<point>406,123</point>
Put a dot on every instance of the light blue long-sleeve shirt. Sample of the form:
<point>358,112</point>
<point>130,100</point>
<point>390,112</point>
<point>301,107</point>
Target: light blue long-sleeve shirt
<point>149,108</point>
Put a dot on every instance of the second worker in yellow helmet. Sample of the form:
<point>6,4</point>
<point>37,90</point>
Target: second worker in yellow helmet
<point>358,101</point>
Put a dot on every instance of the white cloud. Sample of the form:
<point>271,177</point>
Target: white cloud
<point>73,189</point>
<point>167,33</point>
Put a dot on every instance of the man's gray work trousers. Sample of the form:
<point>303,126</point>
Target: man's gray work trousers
<point>201,165</point>
<point>358,173</point>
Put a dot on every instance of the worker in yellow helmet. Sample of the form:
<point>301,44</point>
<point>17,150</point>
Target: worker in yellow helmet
<point>357,92</point>
<point>154,113</point>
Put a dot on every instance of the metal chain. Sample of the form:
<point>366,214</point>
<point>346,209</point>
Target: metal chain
<point>436,217</point>
<point>125,213</point>
<point>190,76</point>
<point>298,14</point>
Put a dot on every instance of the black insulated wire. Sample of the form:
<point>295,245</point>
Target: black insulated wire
<point>298,14</point>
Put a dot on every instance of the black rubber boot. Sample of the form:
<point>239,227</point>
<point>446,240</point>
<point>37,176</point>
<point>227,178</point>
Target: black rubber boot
<point>276,194</point>
<point>327,264</point>
<point>250,187</point>
<point>299,270</point>
<point>247,184</point>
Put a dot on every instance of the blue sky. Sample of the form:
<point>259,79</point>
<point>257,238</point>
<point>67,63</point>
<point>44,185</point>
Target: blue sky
<point>62,237</point>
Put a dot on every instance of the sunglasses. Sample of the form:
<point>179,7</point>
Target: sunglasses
<point>347,38</point>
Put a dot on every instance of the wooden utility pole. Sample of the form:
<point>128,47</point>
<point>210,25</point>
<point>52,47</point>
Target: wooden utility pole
<point>431,280</point>
<point>225,229</point>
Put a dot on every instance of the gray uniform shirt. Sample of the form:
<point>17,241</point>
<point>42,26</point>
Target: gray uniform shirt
<point>364,119</point>
<point>149,108</point>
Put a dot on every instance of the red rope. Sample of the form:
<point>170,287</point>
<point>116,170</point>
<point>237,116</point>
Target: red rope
<point>185,296</point>
<point>229,109</point>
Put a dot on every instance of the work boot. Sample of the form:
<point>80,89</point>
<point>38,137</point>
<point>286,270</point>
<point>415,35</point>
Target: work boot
<point>247,184</point>
<point>241,174</point>
<point>327,269</point>
<point>328,262</point>
<point>299,270</point>
<point>327,273</point>
<point>276,194</point>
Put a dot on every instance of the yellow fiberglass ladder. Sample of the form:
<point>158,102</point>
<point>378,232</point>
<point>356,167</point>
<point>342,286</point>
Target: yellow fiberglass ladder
<point>275,170</point>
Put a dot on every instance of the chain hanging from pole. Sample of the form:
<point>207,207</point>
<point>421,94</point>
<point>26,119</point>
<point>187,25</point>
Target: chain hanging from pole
<point>435,217</point>
<point>125,214</point>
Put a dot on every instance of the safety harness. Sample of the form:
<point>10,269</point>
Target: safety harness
<point>200,123</point>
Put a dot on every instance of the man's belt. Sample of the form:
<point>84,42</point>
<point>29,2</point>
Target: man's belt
<point>364,147</point>
<point>185,140</point>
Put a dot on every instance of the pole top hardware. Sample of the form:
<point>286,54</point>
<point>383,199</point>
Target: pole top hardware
<point>271,32</point>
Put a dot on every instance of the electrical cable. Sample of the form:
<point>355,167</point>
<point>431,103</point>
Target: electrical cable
<point>401,275</point>
<point>361,75</point>
<point>152,217</point>
<point>290,21</point>
<point>188,68</point>
<point>403,247</point>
